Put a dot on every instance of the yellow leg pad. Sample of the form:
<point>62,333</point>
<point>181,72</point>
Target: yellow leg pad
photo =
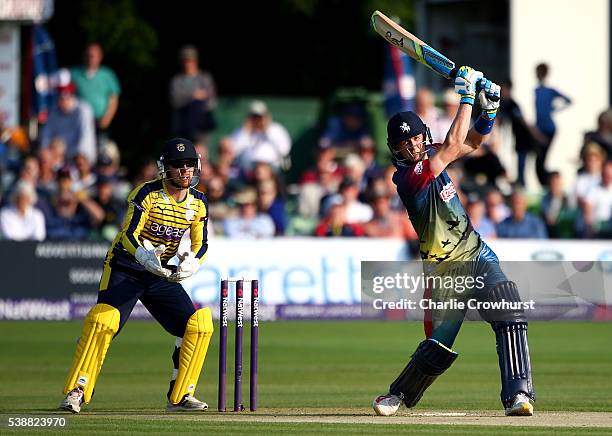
<point>193,352</point>
<point>99,327</point>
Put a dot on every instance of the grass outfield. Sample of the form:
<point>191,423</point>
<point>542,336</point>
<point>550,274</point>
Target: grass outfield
<point>303,366</point>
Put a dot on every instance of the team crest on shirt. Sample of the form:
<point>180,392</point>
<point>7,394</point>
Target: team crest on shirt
<point>418,169</point>
<point>189,214</point>
<point>448,192</point>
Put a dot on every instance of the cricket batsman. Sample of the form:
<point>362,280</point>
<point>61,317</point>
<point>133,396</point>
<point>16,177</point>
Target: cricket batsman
<point>136,268</point>
<point>447,237</point>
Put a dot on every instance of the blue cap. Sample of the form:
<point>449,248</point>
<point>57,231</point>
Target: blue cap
<point>404,125</point>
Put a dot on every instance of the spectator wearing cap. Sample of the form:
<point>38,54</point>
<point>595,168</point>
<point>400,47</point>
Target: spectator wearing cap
<point>249,224</point>
<point>260,139</point>
<point>477,213</point>
<point>193,97</point>
<point>334,222</point>
<point>71,119</point>
<point>109,166</point>
<point>347,131</point>
<point>20,220</point>
<point>97,84</point>
<point>521,224</point>
<point>387,223</point>
<point>598,206</point>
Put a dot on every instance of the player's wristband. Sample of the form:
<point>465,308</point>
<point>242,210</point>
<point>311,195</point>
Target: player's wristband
<point>467,99</point>
<point>484,124</point>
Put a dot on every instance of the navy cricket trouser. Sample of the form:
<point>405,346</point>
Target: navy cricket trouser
<point>166,301</point>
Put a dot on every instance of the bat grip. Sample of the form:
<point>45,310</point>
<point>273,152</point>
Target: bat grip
<point>453,74</point>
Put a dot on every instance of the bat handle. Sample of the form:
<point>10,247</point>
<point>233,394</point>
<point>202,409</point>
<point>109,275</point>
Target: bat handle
<point>453,74</point>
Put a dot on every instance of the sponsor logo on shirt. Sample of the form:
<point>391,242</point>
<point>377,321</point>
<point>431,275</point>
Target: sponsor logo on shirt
<point>418,169</point>
<point>448,192</point>
<point>167,232</point>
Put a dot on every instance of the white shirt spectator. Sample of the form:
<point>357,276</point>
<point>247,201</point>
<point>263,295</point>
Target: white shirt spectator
<point>358,212</point>
<point>17,227</point>
<point>260,139</point>
<point>260,226</point>
<point>21,221</point>
<point>584,184</point>
<point>600,198</point>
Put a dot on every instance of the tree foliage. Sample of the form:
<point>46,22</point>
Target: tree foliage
<point>121,30</point>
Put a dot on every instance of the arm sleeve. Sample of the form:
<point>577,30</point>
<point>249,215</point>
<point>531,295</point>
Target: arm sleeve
<point>139,205</point>
<point>563,96</point>
<point>279,136</point>
<point>115,87</point>
<point>199,233</point>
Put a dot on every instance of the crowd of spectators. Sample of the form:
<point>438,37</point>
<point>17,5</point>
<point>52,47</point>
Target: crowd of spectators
<point>68,183</point>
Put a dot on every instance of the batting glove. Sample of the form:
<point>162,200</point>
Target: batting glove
<point>188,265</point>
<point>150,257</point>
<point>488,98</point>
<point>465,84</point>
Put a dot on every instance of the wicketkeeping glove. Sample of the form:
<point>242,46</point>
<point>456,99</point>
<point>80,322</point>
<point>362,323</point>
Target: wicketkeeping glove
<point>149,257</point>
<point>490,90</point>
<point>465,84</point>
<point>188,265</point>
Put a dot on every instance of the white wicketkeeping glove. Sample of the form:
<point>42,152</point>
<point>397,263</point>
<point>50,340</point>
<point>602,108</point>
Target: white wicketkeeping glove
<point>149,257</point>
<point>188,265</point>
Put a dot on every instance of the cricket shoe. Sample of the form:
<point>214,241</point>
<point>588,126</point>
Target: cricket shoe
<point>386,405</point>
<point>520,406</point>
<point>188,404</point>
<point>72,402</point>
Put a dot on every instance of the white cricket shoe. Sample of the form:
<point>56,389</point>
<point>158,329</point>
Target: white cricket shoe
<point>521,406</point>
<point>386,405</point>
<point>72,402</point>
<point>189,404</point>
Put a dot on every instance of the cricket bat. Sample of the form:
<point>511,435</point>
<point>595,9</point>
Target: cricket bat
<point>413,46</point>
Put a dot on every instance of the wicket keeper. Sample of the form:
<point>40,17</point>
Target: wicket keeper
<point>136,268</point>
<point>446,237</point>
